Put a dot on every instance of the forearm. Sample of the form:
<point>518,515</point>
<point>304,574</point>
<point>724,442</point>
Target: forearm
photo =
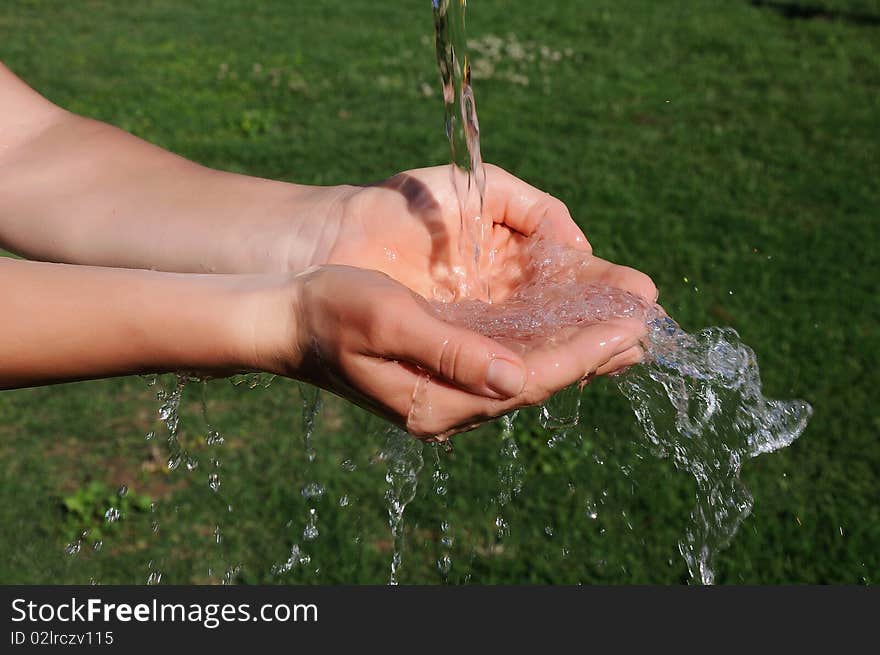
<point>78,191</point>
<point>62,322</point>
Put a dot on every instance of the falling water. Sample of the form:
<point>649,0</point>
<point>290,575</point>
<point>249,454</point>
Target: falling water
<point>463,133</point>
<point>312,491</point>
<point>510,474</point>
<point>403,456</point>
<point>697,398</point>
<point>440,477</point>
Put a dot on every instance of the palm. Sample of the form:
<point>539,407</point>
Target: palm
<point>409,228</point>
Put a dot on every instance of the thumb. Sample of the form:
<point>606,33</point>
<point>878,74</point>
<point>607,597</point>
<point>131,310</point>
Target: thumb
<point>463,358</point>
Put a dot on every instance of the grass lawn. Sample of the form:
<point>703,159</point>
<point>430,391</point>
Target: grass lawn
<point>729,149</point>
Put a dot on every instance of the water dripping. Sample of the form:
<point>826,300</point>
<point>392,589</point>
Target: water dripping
<point>310,532</point>
<point>697,398</point>
<point>463,134</point>
<point>403,457</point>
<point>312,490</point>
<point>440,478</point>
<point>297,558</point>
<point>510,473</point>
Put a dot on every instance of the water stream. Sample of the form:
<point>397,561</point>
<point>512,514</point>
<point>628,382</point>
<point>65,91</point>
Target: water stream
<point>463,134</point>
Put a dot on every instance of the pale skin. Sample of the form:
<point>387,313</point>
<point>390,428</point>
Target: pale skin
<point>142,261</point>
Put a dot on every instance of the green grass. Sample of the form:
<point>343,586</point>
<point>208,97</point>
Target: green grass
<point>730,151</point>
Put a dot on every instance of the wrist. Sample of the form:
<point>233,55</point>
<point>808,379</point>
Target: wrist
<point>199,323</point>
<point>268,330</point>
<point>315,219</point>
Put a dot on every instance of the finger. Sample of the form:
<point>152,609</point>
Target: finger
<point>583,353</point>
<point>622,361</point>
<point>428,406</point>
<point>463,358</point>
<point>556,367</point>
<point>406,395</point>
<point>443,410</point>
<point>526,209</point>
<point>622,277</point>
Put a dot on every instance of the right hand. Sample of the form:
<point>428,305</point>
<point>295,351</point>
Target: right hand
<point>367,338</point>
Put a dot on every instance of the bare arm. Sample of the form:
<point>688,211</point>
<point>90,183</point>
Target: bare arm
<point>62,322</point>
<point>79,191</point>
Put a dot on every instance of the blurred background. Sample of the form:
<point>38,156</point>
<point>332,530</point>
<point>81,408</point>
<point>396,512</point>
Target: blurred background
<point>730,149</point>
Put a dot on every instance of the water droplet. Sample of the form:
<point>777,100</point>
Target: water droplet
<point>310,532</point>
<point>592,510</point>
<point>444,564</point>
<point>312,490</point>
<point>297,558</point>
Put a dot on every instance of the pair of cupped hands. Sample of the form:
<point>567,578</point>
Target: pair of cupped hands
<point>359,324</point>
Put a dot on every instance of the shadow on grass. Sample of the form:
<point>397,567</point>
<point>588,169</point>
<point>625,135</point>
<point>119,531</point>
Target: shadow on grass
<point>796,11</point>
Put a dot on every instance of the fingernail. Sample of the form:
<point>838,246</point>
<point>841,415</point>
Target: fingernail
<point>505,378</point>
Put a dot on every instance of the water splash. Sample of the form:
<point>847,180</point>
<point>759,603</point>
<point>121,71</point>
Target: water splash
<point>697,398</point>
<point>555,291</point>
<point>699,402</point>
